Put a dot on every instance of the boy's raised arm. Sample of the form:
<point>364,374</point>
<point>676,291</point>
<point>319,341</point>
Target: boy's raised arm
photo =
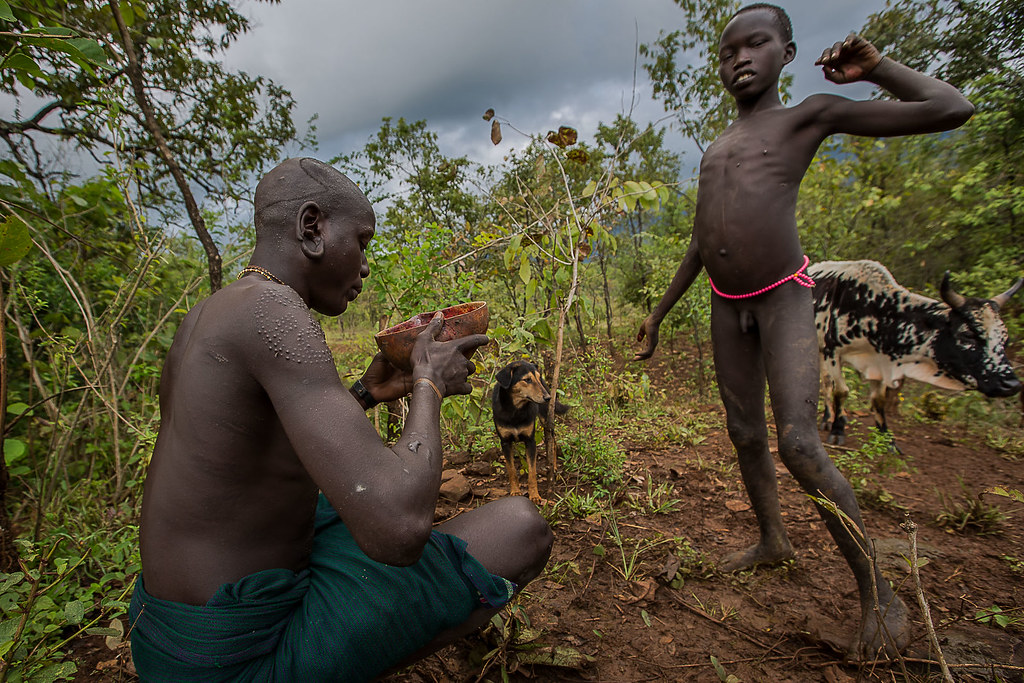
<point>926,104</point>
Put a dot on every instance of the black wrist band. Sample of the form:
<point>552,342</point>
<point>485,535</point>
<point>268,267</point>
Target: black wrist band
<point>364,394</point>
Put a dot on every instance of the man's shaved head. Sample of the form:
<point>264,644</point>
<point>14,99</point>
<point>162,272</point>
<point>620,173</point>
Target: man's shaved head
<point>294,182</point>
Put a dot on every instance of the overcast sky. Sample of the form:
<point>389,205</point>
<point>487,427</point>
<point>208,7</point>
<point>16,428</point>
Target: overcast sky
<point>538,63</point>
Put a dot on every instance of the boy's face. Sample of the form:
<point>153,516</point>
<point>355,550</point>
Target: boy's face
<point>751,54</point>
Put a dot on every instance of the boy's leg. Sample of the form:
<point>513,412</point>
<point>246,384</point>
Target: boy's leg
<point>788,335</point>
<point>510,538</point>
<point>740,374</point>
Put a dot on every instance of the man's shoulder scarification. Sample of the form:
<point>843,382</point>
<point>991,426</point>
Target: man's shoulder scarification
<point>286,326</point>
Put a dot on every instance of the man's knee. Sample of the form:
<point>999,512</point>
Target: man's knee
<point>531,532</point>
<point>519,536</point>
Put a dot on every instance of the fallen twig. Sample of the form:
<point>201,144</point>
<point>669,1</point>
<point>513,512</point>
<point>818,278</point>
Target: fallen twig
<point>728,627</point>
<point>911,528</point>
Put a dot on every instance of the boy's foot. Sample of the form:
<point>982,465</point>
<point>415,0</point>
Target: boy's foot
<point>875,642</point>
<point>755,555</point>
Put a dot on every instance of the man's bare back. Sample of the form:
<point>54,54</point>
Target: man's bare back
<point>226,495</point>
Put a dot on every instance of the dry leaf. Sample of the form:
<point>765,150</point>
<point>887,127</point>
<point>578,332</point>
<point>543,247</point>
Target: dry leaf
<point>565,137</point>
<point>488,115</point>
<point>641,590</point>
<point>737,505</point>
<point>672,565</point>
<point>114,642</point>
<point>577,155</point>
<point>495,131</point>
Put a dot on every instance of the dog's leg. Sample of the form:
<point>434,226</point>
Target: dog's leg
<point>531,468</point>
<point>511,469</point>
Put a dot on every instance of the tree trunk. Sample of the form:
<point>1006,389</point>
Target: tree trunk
<point>134,71</point>
<point>607,292</point>
<point>8,551</point>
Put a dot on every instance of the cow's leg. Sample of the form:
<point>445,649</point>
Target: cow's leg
<point>788,336</point>
<point>511,469</point>
<point>881,398</point>
<point>740,375</point>
<point>878,405</point>
<point>827,391</point>
<point>840,390</point>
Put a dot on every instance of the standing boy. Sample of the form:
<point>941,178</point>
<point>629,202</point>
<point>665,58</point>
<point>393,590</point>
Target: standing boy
<point>762,317</point>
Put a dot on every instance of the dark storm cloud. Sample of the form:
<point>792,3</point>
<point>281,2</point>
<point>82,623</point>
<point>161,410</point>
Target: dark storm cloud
<point>538,63</point>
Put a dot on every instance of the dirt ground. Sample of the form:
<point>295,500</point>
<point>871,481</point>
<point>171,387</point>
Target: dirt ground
<point>678,618</point>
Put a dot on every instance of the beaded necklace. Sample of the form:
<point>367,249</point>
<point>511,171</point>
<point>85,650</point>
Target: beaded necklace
<point>260,271</point>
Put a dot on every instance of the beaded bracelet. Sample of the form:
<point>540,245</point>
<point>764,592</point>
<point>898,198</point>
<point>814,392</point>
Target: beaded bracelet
<point>432,386</point>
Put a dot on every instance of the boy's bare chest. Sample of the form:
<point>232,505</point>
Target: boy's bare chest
<point>771,148</point>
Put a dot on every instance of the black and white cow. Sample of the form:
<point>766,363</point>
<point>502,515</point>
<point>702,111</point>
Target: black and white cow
<point>886,333</point>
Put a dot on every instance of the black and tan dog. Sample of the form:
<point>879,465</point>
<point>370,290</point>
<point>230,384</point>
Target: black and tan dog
<point>518,397</point>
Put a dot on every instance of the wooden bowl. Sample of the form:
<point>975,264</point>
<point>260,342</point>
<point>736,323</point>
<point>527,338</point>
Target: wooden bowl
<point>396,342</point>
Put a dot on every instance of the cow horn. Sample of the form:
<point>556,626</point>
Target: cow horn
<point>1001,299</point>
<point>949,294</point>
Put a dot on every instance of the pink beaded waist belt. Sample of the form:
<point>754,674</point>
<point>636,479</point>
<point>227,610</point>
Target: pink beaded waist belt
<point>800,277</point>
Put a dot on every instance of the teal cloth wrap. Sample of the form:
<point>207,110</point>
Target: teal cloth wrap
<point>346,618</point>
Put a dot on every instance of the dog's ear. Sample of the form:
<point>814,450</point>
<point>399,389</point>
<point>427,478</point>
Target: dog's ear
<point>505,376</point>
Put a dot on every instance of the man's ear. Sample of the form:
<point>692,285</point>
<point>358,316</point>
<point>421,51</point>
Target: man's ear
<point>309,230</point>
<point>790,52</point>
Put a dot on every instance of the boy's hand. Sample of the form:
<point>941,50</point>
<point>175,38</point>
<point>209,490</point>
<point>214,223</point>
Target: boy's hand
<point>849,61</point>
<point>648,329</point>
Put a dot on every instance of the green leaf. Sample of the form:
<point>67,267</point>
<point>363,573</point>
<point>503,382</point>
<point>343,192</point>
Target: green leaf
<point>6,581</point>
<point>101,631</point>
<point>7,629</point>
<point>14,241</point>
<point>599,550</point>
<point>5,11</point>
<point>92,50</point>
<point>74,612</point>
<point>14,450</point>
<point>17,408</point>
<point>524,271</point>
<point>50,31</point>
<point>54,672</point>
<point>22,62</point>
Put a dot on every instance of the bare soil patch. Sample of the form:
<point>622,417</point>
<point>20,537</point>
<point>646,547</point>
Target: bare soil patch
<point>785,623</point>
<point>676,612</point>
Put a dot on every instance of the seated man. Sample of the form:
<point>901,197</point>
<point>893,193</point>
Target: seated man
<point>281,538</point>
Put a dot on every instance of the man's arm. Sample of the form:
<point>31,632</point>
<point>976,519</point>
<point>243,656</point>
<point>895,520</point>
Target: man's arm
<point>386,496</point>
<point>684,277</point>
<point>926,104</point>
<point>382,382</point>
